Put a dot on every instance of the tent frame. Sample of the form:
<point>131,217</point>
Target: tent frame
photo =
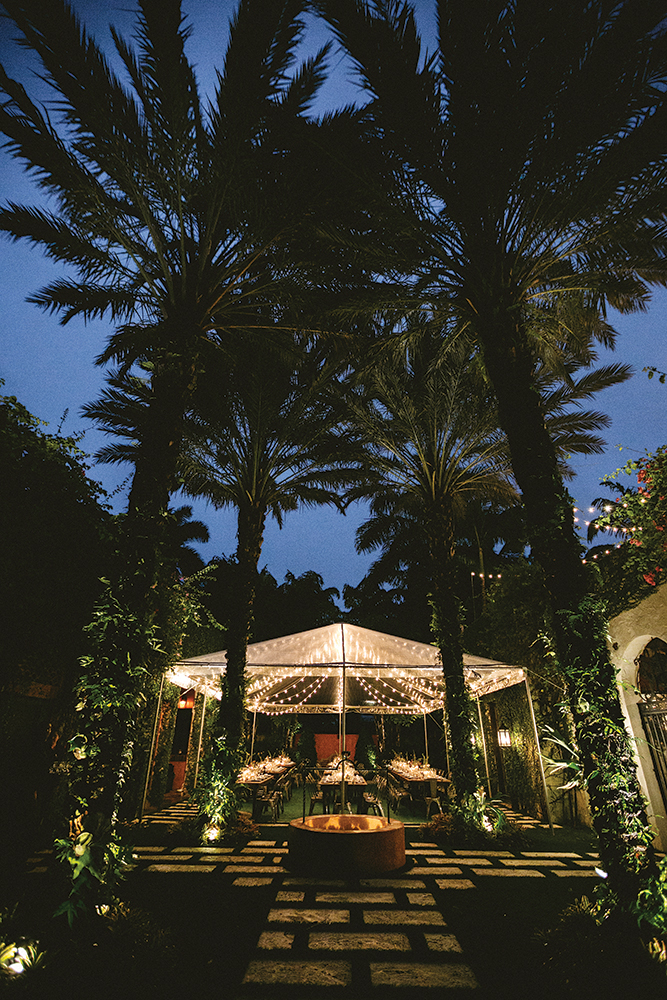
<point>273,667</point>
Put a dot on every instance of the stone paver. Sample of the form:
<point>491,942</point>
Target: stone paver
<point>421,898</point>
<point>416,975</point>
<point>392,883</point>
<point>181,868</point>
<point>403,917</point>
<point>279,940</point>
<point>536,862</point>
<point>355,897</point>
<point>487,854</point>
<point>199,850</point>
<point>437,870</point>
<point>264,869</point>
<point>313,881</point>
<point>356,941</point>
<point>442,942</point>
<point>454,883</point>
<point>574,872</point>
<point>509,872</point>
<point>336,973</point>
<point>466,861</point>
<point>552,854</point>
<point>306,916</point>
<point>176,857</point>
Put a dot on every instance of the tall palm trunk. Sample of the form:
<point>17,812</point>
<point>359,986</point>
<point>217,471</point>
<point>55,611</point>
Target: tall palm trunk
<point>155,479</point>
<point>251,520</point>
<point>447,632</point>
<point>617,804</point>
<point>126,656</point>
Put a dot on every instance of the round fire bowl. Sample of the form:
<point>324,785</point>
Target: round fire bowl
<point>350,845</point>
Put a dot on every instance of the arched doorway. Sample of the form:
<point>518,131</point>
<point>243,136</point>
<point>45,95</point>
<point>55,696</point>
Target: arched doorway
<point>652,685</point>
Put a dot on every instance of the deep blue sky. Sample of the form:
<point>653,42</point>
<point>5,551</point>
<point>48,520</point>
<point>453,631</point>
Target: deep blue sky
<point>50,368</point>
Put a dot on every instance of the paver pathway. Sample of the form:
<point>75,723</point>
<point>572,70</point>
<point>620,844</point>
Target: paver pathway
<point>357,937</point>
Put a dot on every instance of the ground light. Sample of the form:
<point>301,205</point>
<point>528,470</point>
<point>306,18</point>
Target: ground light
<point>17,958</point>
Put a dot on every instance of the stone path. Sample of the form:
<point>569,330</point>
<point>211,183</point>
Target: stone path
<point>353,936</point>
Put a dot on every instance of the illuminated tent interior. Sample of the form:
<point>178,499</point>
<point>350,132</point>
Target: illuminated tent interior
<point>343,666</point>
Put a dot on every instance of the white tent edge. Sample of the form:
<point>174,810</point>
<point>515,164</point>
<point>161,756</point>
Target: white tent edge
<point>331,649</point>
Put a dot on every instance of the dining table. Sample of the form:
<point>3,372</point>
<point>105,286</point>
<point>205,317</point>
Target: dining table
<point>262,774</point>
<point>332,780</point>
<point>422,780</point>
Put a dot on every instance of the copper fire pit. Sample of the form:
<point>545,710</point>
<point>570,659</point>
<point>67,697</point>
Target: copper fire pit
<point>363,845</point>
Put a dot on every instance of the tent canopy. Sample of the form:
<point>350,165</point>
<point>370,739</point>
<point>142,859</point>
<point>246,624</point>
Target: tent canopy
<point>382,674</point>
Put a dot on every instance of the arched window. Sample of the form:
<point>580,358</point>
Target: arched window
<point>652,668</point>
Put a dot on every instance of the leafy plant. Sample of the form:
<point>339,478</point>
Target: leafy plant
<point>585,953</point>
<point>486,814</point>
<point>569,762</point>
<point>18,954</point>
<point>475,822</point>
<point>216,792</point>
<point>650,908</point>
<point>98,861</point>
<point>18,957</point>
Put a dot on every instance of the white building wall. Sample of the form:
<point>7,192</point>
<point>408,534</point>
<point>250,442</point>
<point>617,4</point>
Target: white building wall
<point>629,633</point>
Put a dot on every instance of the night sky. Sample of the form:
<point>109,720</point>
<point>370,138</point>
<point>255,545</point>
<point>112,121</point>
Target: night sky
<point>50,368</point>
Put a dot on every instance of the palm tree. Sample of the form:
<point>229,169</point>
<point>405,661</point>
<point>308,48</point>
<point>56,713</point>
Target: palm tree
<point>173,215</point>
<point>266,442</point>
<point>175,218</point>
<point>437,457</point>
<point>541,199</point>
<point>431,444</point>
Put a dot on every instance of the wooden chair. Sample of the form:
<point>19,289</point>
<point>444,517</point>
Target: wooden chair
<point>269,801</point>
<point>397,793</point>
<point>432,798</point>
<point>372,801</point>
<point>315,797</point>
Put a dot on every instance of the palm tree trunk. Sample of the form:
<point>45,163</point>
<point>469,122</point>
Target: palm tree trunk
<point>136,587</point>
<point>447,633</point>
<point>155,478</point>
<point>579,623</point>
<point>232,716</point>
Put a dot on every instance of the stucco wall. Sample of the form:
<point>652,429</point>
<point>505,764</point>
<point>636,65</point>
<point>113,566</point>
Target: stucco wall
<point>629,633</point>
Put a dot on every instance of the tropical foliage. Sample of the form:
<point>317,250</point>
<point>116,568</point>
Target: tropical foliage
<point>270,441</point>
<point>527,255</point>
<point>632,561</point>
<point>431,442</point>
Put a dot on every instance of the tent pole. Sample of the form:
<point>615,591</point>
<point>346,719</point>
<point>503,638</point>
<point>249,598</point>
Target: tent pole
<point>486,759</point>
<point>201,736</point>
<point>252,740</point>
<point>152,753</point>
<point>425,740</point>
<point>343,725</point>
<point>539,756</point>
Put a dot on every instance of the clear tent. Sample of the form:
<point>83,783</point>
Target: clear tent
<point>342,667</point>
